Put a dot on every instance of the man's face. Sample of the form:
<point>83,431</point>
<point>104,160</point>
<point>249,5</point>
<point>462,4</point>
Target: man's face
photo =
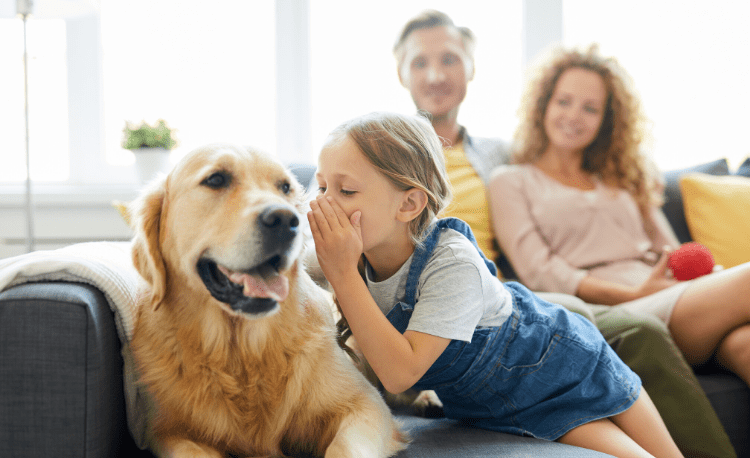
<point>436,70</point>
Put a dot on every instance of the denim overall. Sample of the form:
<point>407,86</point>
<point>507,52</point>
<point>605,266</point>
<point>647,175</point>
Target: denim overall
<point>541,374</point>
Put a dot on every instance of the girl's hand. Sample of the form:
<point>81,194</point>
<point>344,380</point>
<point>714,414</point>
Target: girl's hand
<point>338,241</point>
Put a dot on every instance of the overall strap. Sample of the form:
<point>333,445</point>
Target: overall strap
<point>423,252</point>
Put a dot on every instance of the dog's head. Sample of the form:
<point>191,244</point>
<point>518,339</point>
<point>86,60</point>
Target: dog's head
<point>227,219</point>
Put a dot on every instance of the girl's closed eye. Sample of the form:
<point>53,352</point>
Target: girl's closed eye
<point>345,192</point>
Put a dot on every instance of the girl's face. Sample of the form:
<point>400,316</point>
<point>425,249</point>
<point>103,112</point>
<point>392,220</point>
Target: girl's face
<point>575,110</point>
<point>345,174</point>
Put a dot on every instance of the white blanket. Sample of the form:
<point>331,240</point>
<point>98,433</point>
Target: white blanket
<point>107,266</point>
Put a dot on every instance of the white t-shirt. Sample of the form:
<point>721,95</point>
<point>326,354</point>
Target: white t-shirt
<point>456,293</point>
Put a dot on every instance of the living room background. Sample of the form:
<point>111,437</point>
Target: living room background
<point>211,72</point>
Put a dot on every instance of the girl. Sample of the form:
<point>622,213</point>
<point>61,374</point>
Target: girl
<point>580,213</point>
<point>428,311</point>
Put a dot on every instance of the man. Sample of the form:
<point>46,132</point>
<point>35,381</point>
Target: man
<point>435,63</point>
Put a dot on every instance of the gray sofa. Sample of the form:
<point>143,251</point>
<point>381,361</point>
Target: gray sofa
<point>61,383</point>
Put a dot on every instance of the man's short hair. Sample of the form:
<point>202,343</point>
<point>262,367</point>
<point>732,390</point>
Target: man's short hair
<point>426,20</point>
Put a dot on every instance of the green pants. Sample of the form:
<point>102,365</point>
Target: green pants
<point>643,342</point>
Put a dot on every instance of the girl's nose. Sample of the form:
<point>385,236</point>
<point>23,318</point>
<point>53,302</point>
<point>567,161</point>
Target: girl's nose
<point>328,193</point>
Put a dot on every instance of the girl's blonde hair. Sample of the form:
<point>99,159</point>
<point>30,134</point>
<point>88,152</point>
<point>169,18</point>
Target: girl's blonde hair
<point>615,155</point>
<point>408,152</point>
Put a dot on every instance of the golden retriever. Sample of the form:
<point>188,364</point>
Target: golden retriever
<point>233,340</point>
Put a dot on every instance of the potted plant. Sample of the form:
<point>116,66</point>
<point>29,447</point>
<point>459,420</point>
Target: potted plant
<point>151,145</point>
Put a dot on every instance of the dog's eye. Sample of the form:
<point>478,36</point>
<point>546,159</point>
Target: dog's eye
<point>285,187</point>
<point>217,180</point>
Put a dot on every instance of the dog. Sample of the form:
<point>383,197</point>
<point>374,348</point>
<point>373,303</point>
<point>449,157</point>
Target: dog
<point>233,341</point>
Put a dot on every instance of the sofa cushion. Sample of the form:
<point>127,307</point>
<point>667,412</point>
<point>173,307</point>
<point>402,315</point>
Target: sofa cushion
<point>673,206</point>
<point>744,168</point>
<point>717,209</point>
<point>730,397</point>
<point>436,438</point>
<point>305,173</point>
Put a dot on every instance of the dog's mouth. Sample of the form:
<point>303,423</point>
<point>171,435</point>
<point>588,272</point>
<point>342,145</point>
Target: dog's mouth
<point>254,291</point>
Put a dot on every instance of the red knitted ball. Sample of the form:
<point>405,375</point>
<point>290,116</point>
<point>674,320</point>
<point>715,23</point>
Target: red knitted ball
<point>690,261</point>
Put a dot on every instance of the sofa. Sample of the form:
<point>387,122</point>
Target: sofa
<point>62,381</point>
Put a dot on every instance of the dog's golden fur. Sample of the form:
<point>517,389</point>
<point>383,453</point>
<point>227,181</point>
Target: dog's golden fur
<point>238,382</point>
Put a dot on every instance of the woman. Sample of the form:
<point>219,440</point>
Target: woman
<point>578,212</point>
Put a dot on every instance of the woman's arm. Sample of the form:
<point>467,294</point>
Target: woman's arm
<point>660,231</point>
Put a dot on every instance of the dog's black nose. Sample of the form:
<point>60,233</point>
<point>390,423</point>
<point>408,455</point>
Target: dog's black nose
<point>279,217</point>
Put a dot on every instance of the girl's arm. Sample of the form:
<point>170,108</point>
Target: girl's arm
<point>398,359</point>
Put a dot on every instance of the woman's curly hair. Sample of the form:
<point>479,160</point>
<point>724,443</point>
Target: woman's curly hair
<point>615,155</point>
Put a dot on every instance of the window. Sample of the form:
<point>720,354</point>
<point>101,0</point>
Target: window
<point>689,62</point>
<point>207,68</point>
<point>353,70</point>
<point>48,103</point>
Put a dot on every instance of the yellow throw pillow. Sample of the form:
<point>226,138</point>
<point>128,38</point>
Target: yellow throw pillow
<point>717,210</point>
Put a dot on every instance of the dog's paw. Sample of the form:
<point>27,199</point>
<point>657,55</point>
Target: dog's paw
<point>183,448</point>
<point>428,405</point>
<point>421,403</point>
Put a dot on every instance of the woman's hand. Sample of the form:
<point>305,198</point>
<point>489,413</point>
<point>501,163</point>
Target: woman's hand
<point>660,277</point>
<point>598,291</point>
<point>338,240</point>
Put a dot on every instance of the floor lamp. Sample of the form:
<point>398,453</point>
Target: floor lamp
<point>24,10</point>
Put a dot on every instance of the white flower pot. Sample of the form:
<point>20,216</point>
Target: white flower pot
<point>150,162</point>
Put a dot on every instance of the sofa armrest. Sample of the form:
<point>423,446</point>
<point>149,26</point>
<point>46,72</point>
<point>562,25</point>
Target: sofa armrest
<point>61,370</point>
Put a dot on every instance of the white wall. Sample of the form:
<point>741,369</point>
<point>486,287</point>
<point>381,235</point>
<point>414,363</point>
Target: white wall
<point>61,217</point>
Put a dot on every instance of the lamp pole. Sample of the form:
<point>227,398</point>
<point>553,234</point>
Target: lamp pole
<point>24,8</point>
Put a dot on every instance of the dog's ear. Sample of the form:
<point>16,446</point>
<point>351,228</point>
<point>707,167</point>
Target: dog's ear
<point>147,256</point>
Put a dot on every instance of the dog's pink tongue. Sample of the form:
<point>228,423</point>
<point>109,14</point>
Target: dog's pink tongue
<point>267,283</point>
